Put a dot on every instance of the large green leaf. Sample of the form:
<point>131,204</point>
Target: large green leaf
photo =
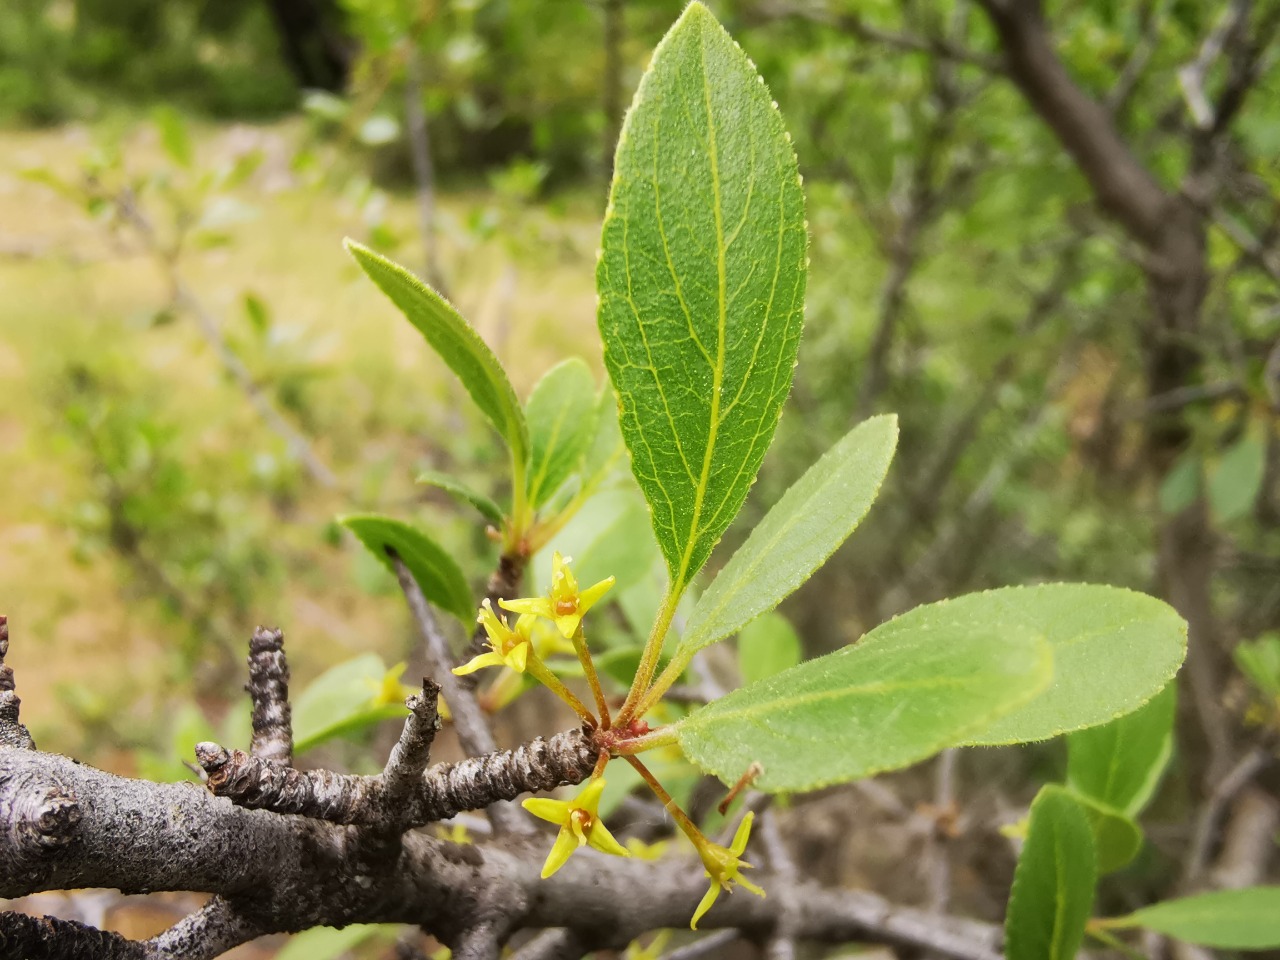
<point>562,417</point>
<point>804,527</point>
<point>1119,763</point>
<point>1113,650</point>
<point>1054,884</point>
<point>437,574</point>
<point>457,343</point>
<point>905,691</point>
<point>701,282</point>
<point>1247,919</point>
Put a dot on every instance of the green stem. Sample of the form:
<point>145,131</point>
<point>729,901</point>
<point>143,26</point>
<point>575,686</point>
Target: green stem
<point>649,659</point>
<point>665,681</point>
<point>539,671</point>
<point>589,668</point>
<point>681,818</point>
<point>521,518</point>
<point>1114,942</point>
<point>662,737</point>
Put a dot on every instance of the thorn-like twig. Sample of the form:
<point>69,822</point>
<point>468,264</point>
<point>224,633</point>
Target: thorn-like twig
<point>704,946</point>
<point>268,688</point>
<point>469,721</point>
<point>444,791</point>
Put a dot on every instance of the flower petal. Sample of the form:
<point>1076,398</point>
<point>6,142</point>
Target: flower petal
<point>589,596</point>
<point>705,905</point>
<point>604,841</point>
<point>742,835</point>
<point>517,657</point>
<point>567,623</point>
<point>563,848</point>
<point>538,605</point>
<point>477,663</point>
<point>553,811</point>
<point>589,798</point>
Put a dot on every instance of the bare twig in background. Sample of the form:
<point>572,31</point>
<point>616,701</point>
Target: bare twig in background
<point>469,721</point>
<point>1210,813</point>
<point>185,299</point>
<point>416,126</point>
<point>611,80</point>
<point>703,946</point>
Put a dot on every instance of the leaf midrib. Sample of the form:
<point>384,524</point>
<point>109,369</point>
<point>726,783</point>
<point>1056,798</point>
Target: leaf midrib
<point>717,373</point>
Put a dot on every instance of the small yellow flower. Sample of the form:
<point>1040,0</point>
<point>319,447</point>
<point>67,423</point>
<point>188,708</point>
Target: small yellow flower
<point>580,825</point>
<point>508,648</point>
<point>722,866</point>
<point>565,604</point>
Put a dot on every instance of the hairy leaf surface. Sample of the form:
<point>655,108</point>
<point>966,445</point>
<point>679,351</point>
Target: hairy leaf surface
<point>903,692</point>
<point>805,526</point>
<point>701,281</point>
<point>1113,650</point>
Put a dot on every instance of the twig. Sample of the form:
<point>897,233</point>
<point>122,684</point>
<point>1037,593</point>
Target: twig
<point>183,297</point>
<point>395,798</point>
<point>781,944</point>
<point>1249,766</point>
<point>936,862</point>
<point>420,151</point>
<point>853,24</point>
<point>209,932</point>
<point>12,732</point>
<point>703,946</point>
<point>268,689</point>
<point>556,944</point>
<point>1191,76</point>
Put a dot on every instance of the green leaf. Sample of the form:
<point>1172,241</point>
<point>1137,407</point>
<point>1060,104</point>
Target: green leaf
<point>1181,485</point>
<point>701,283</point>
<point>804,527</point>
<point>906,690</point>
<point>436,572</point>
<point>457,343</point>
<point>767,645</point>
<point>1259,660</point>
<point>1054,884</point>
<point>1247,919</point>
<point>562,418</point>
<point>1113,650</point>
<point>460,491</point>
<point>173,135</point>
<point>1237,478</point>
<point>1117,838</point>
<point>1119,763</point>
<point>342,700</point>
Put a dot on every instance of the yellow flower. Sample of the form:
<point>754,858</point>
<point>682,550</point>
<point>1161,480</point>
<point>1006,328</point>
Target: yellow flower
<point>722,865</point>
<point>508,648</point>
<point>580,825</point>
<point>565,604</point>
